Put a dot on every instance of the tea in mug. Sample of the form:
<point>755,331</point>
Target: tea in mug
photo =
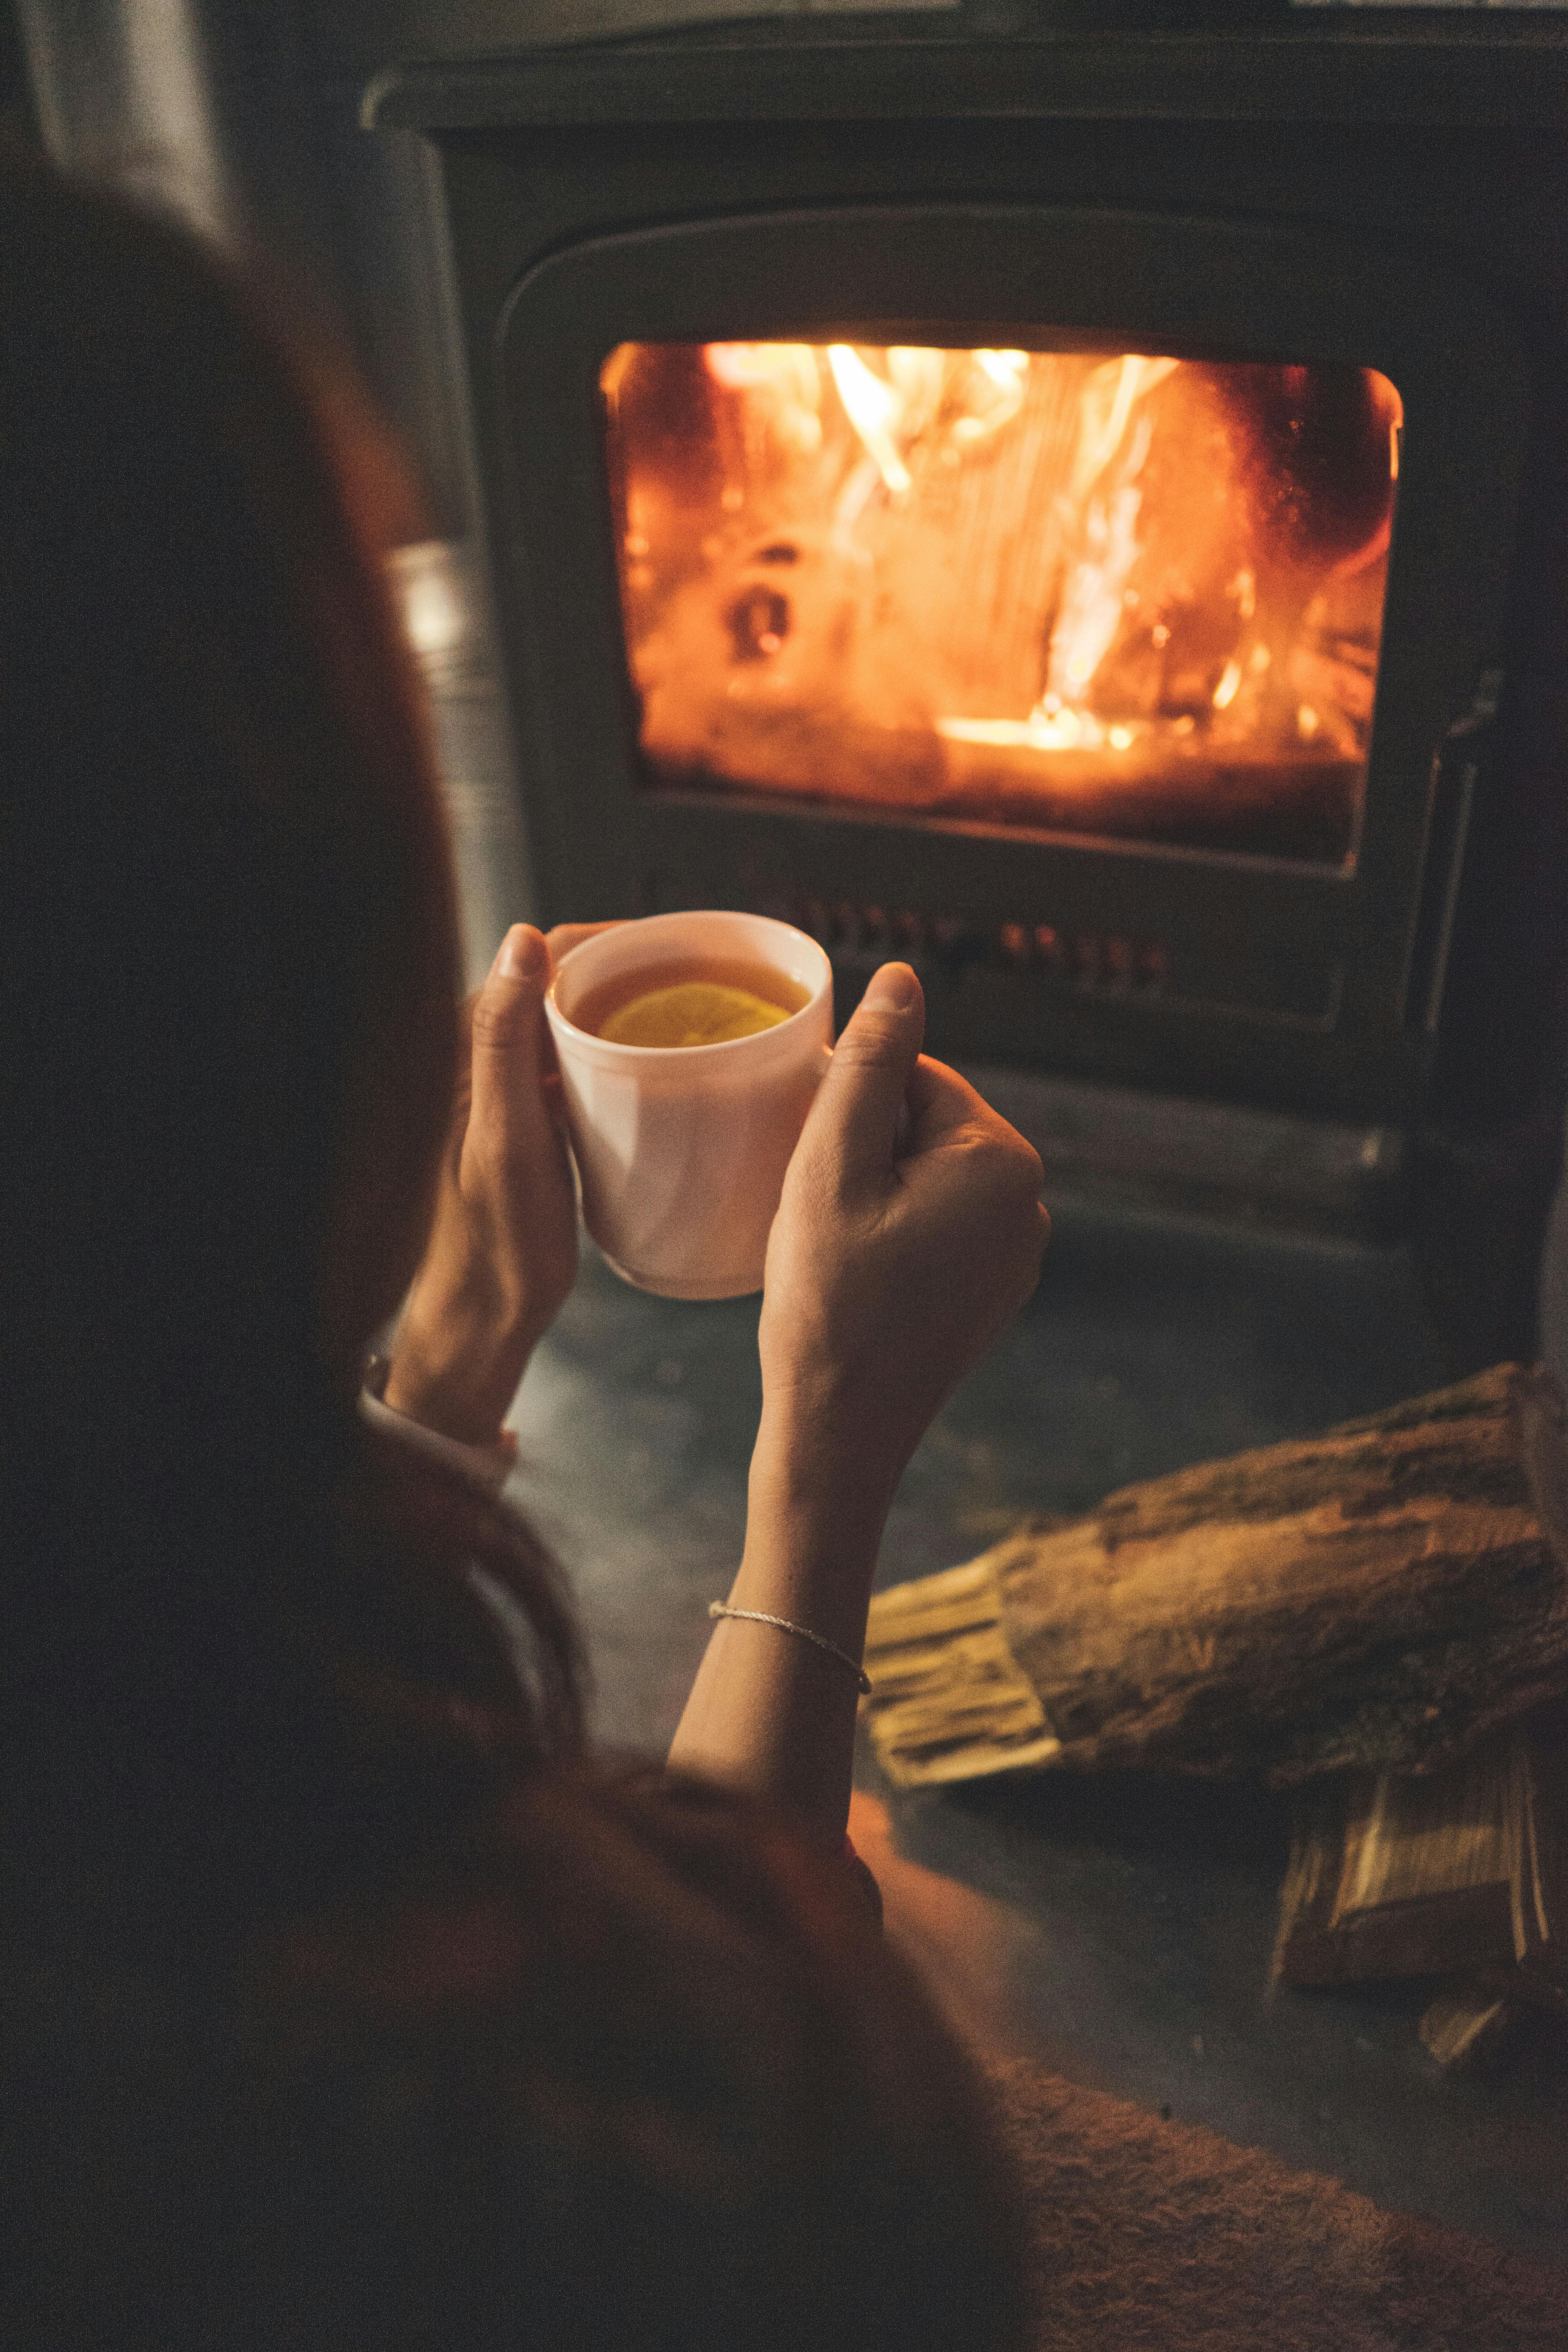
<point>696,1001</point>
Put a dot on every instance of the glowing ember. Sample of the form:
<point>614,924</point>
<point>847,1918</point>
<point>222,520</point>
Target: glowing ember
<point>1130,594</point>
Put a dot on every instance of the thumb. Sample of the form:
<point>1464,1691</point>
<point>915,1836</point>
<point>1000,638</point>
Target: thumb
<point>509,1048</point>
<point>862,1091</point>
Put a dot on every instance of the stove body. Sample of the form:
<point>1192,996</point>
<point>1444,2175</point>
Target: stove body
<point>670,252</point>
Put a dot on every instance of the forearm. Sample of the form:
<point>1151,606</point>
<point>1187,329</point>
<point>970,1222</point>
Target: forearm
<point>909,1229</point>
<point>458,1357</point>
<point>769,1712</point>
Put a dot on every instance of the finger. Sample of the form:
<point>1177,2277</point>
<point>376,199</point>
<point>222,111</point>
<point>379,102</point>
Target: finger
<point>508,1030</point>
<point>549,1069</point>
<point>940,1100</point>
<point>941,1103</point>
<point>857,1103</point>
<point>462,1084</point>
<point>567,936</point>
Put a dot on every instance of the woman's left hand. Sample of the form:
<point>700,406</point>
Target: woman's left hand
<point>502,1252</point>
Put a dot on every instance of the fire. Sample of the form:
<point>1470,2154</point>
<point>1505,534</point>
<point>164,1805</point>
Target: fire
<point>781,379</point>
<point>1046,587</point>
<point>872,407</point>
<point>1108,400</point>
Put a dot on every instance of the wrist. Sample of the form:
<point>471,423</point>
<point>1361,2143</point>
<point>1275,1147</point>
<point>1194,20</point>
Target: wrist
<point>489,1465</point>
<point>823,1449</point>
<point>815,1511</point>
<point>457,1369</point>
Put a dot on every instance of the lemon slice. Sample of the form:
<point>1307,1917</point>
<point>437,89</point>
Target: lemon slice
<point>696,1013</point>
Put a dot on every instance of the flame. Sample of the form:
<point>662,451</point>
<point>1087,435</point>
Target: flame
<point>785,377</point>
<point>872,407</point>
<point>1110,397</point>
<point>1044,730</point>
<point>996,386</point>
<point>1092,601</point>
<point>919,376</point>
<point>992,574</point>
<point>950,400</point>
<point>1105,470</point>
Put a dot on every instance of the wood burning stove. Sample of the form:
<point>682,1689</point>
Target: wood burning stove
<point>729,288</point>
<point>1065,510</point>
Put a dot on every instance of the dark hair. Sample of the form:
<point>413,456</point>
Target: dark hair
<point>333,2019</point>
<point>229,959</point>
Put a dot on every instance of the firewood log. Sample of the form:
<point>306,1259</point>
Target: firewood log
<point>1378,1597</point>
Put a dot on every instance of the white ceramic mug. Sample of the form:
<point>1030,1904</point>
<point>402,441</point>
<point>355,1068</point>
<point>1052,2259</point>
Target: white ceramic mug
<point>682,1149</point>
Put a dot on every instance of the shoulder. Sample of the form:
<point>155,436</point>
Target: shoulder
<point>689,2096</point>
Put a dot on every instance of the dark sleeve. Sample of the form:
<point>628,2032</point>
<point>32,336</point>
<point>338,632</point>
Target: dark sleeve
<point>864,1878</point>
<point>646,2076</point>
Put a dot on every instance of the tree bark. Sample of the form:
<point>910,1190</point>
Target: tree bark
<point>1378,1597</point>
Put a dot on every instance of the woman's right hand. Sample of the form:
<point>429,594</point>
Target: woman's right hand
<point>910,1229</point>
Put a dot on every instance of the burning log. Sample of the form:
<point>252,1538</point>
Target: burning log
<point>1379,1597</point>
<point>1103,593</point>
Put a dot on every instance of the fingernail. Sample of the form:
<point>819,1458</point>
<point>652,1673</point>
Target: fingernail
<point>522,954</point>
<point>893,989</point>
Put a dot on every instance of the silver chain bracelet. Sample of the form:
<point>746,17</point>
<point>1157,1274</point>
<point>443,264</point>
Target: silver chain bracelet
<point>818,1641</point>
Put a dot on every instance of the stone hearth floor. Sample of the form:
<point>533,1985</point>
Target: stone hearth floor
<point>1117,1934</point>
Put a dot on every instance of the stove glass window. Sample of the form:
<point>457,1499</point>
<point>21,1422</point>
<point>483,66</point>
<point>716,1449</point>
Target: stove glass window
<point>1118,597</point>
